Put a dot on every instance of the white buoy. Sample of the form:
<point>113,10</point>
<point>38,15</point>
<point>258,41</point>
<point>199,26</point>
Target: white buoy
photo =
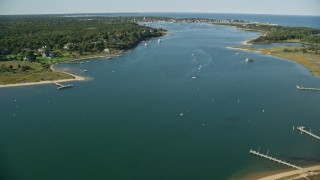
<point>262,110</point>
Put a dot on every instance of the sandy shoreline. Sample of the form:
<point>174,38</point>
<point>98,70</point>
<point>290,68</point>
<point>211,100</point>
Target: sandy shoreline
<point>300,58</point>
<point>246,42</point>
<point>298,173</point>
<point>241,49</point>
<point>277,173</point>
<point>76,78</point>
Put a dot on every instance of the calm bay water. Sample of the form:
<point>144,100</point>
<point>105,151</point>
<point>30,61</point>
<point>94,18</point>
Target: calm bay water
<point>125,123</point>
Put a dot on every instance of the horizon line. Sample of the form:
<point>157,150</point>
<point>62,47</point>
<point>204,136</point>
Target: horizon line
<point>158,12</point>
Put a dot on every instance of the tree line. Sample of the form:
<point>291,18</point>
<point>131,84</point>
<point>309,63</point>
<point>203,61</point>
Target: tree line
<point>19,34</point>
<point>274,33</point>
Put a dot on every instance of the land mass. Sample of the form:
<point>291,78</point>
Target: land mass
<point>309,59</point>
<point>308,54</point>
<point>50,39</point>
<point>29,45</point>
<point>311,173</point>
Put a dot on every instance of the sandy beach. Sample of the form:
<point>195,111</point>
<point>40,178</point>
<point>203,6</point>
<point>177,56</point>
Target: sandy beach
<point>76,78</point>
<point>298,173</point>
<point>278,174</point>
<point>241,49</point>
<point>246,42</point>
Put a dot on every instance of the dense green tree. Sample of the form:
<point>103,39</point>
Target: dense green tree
<point>21,33</point>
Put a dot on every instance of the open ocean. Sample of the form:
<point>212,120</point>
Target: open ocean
<point>125,123</point>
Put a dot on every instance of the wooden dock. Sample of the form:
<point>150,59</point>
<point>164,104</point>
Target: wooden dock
<point>308,89</point>
<point>274,159</point>
<point>61,86</point>
<point>302,130</point>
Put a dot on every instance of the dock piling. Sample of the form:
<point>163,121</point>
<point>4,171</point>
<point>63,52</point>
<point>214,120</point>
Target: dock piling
<point>304,88</point>
<point>302,130</point>
<point>61,86</point>
<point>274,159</point>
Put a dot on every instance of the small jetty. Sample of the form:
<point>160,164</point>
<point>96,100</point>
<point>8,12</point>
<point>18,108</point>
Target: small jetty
<point>274,159</point>
<point>302,130</point>
<point>309,89</point>
<point>61,86</point>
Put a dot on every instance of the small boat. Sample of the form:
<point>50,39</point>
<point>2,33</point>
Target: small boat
<point>146,44</point>
<point>81,62</point>
<point>159,40</point>
<point>194,77</point>
<point>181,114</point>
<point>85,70</point>
<point>249,60</point>
<point>87,61</point>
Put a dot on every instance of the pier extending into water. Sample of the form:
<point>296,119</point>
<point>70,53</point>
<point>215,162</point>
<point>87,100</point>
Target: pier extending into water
<point>61,86</point>
<point>309,89</point>
<point>302,130</point>
<point>274,159</point>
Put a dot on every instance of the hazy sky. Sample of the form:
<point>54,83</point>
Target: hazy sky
<point>293,7</point>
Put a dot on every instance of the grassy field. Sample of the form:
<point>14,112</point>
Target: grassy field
<point>37,73</point>
<point>309,59</point>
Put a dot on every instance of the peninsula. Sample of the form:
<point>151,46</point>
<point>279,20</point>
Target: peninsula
<point>29,45</point>
<point>306,54</point>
